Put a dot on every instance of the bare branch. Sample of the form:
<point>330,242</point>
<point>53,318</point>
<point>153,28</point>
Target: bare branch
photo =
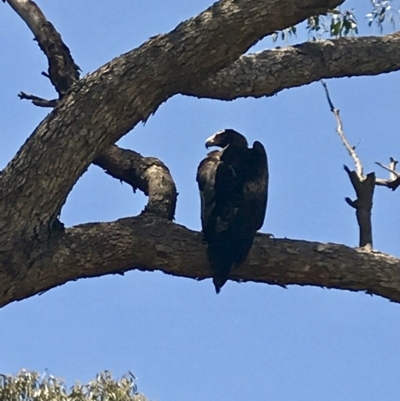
<point>340,131</point>
<point>393,185</point>
<point>148,174</point>
<point>38,101</point>
<point>63,72</point>
<point>394,181</point>
<point>364,186</point>
<point>392,168</point>
<point>393,173</point>
<point>148,243</point>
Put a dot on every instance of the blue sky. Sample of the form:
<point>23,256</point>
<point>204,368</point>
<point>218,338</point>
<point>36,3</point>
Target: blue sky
<point>183,342</point>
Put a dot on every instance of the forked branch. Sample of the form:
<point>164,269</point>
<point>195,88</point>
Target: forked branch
<point>363,185</point>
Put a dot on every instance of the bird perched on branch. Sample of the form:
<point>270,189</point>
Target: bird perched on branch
<point>233,184</point>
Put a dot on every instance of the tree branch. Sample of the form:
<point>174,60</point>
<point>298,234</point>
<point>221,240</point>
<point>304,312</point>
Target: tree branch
<point>394,180</point>
<point>38,101</point>
<point>363,185</point>
<point>364,188</point>
<point>268,72</point>
<point>339,130</point>
<point>62,71</point>
<point>148,243</point>
<point>148,174</point>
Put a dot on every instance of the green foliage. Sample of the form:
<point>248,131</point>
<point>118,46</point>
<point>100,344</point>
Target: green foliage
<point>285,34</point>
<point>337,23</point>
<point>334,24</point>
<point>382,12</point>
<point>30,386</point>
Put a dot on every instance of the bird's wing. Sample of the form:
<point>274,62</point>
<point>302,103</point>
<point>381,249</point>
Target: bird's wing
<point>259,183</point>
<point>206,173</point>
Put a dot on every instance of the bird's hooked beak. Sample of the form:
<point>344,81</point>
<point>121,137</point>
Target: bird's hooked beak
<point>212,140</point>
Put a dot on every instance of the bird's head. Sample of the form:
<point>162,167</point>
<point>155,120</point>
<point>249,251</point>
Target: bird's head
<point>226,137</point>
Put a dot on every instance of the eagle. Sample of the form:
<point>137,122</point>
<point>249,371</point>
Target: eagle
<point>233,185</point>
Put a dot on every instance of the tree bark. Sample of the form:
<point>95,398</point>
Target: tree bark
<point>149,243</point>
<point>147,174</point>
<point>268,72</point>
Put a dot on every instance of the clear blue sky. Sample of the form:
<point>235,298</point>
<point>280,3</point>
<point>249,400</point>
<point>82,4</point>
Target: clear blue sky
<point>183,342</point>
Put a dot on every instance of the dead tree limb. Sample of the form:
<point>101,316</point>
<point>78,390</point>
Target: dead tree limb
<point>393,182</point>
<point>339,130</point>
<point>364,186</point>
<point>363,205</point>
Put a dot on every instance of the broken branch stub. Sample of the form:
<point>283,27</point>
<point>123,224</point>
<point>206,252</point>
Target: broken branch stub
<point>364,188</point>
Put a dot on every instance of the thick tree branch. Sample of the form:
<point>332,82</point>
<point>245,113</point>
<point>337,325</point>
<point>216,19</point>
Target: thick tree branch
<point>148,243</point>
<point>268,72</point>
<point>125,91</point>
<point>148,174</point>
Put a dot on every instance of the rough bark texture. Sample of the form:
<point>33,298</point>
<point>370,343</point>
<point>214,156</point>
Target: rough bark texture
<point>268,72</point>
<point>147,174</point>
<point>149,243</point>
<point>197,58</point>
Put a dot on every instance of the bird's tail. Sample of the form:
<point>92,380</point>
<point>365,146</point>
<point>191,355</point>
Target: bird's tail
<point>219,282</point>
<point>221,265</point>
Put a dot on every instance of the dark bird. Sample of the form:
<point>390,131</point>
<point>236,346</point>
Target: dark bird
<point>233,184</point>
